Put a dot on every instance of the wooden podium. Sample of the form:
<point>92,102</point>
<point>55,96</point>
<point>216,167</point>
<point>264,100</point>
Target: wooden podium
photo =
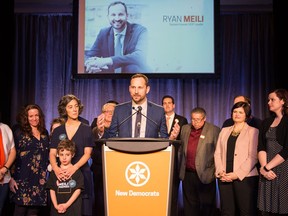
<point>137,176</point>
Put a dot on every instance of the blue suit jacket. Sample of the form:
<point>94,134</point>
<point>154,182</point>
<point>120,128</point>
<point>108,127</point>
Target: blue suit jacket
<point>124,110</point>
<point>134,50</point>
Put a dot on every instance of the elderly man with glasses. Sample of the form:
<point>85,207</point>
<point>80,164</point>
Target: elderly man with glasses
<point>197,167</point>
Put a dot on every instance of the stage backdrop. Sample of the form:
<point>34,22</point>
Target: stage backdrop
<point>43,67</point>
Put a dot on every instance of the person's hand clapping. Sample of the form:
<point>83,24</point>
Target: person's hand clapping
<point>175,130</point>
<point>101,123</point>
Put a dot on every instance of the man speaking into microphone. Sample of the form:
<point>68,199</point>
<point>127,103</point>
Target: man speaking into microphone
<point>138,117</point>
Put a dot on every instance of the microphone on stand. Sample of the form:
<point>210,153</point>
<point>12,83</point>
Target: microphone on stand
<point>138,123</point>
<point>139,109</point>
<point>125,120</point>
<point>155,123</point>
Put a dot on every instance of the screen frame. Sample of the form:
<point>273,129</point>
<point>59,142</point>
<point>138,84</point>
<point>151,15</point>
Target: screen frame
<point>78,51</point>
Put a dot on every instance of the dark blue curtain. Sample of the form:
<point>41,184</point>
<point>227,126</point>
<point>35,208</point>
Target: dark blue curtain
<point>43,67</point>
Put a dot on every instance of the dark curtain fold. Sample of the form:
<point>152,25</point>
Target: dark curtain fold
<point>43,67</point>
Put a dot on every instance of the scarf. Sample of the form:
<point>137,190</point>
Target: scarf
<point>2,153</point>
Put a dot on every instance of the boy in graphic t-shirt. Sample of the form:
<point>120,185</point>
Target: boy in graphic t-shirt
<point>66,195</point>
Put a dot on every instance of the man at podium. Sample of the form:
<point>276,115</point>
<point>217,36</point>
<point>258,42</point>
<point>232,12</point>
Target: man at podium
<point>138,117</point>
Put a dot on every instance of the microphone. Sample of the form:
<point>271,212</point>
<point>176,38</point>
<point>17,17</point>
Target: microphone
<point>155,123</point>
<point>125,120</point>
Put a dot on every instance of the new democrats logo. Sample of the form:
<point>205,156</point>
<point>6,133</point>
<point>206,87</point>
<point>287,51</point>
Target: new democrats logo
<point>137,174</point>
<point>183,19</point>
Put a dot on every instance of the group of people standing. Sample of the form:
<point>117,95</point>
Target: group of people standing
<point>246,158</point>
<point>67,150</point>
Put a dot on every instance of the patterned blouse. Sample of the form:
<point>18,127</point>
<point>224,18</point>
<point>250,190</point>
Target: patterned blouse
<point>30,169</point>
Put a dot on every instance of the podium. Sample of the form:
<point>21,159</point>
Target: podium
<point>138,176</point>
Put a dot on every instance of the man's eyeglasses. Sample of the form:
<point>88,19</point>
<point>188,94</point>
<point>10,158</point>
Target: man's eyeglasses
<point>197,120</point>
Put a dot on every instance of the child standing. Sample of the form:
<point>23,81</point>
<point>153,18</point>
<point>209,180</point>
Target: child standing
<point>66,195</point>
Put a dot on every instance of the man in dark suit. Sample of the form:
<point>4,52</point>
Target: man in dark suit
<point>168,104</point>
<point>171,118</point>
<point>103,56</point>
<point>252,120</point>
<point>197,169</point>
<point>153,122</point>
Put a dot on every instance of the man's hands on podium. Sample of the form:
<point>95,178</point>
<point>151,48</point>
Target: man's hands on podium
<point>175,130</point>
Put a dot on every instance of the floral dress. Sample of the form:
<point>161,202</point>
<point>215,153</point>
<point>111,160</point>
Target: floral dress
<point>30,170</point>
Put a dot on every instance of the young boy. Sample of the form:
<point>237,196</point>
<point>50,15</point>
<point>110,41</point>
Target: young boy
<point>66,195</point>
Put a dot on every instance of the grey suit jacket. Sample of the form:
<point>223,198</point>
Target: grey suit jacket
<point>121,124</point>
<point>205,151</point>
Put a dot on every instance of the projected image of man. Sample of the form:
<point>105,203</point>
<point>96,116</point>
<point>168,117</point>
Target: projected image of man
<point>119,48</point>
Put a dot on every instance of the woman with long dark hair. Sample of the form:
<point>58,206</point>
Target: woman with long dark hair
<point>29,174</point>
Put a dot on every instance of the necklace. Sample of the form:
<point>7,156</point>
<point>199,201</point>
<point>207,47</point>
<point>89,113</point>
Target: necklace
<point>236,133</point>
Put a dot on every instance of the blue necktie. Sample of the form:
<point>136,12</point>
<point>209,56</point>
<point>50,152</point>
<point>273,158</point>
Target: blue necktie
<point>118,49</point>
